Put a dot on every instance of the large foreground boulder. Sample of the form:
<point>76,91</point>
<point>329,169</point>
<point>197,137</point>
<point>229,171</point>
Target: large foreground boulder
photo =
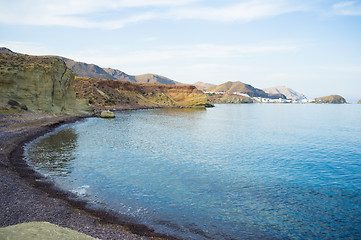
<point>40,231</point>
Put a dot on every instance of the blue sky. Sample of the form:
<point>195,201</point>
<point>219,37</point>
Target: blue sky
<point>313,47</point>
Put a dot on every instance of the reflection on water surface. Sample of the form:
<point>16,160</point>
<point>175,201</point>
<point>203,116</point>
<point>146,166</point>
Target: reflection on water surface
<point>54,153</point>
<point>232,172</point>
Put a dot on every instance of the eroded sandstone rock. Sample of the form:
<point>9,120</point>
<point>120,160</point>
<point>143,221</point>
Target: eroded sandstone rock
<point>39,84</point>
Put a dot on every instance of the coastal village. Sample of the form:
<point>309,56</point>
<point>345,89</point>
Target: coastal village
<point>269,100</point>
<point>238,92</point>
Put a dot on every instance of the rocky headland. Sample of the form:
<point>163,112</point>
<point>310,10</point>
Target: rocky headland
<point>115,94</point>
<point>359,101</point>
<point>334,99</point>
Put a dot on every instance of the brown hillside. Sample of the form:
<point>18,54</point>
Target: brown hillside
<point>203,86</point>
<point>153,78</point>
<point>231,87</point>
<point>112,93</point>
<point>119,75</point>
<point>228,98</point>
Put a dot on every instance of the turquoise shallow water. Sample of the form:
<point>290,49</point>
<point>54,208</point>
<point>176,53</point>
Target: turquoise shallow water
<point>232,172</point>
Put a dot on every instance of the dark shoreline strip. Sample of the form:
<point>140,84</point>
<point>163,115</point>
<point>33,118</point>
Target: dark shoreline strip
<point>20,166</point>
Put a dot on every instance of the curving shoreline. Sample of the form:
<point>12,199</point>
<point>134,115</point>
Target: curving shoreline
<point>25,196</point>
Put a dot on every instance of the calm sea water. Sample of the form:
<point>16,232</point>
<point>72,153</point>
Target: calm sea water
<point>232,172</point>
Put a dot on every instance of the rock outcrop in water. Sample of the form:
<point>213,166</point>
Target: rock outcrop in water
<point>359,101</point>
<point>37,84</point>
<point>107,114</point>
<point>113,93</point>
<point>335,99</point>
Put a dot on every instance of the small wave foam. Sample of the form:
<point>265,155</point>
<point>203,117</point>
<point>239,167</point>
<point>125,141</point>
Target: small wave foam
<point>81,191</point>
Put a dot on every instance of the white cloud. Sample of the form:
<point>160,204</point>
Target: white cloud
<point>150,39</point>
<point>349,8</point>
<point>182,54</point>
<point>91,6</point>
<point>30,48</point>
<point>68,13</point>
<point>338,68</point>
<point>80,13</point>
<point>245,11</point>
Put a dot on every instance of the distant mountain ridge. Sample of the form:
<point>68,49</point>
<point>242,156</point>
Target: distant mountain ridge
<point>86,70</point>
<point>5,50</point>
<point>288,92</point>
<point>203,86</point>
<point>119,75</point>
<point>82,69</point>
<point>239,87</point>
<point>94,71</point>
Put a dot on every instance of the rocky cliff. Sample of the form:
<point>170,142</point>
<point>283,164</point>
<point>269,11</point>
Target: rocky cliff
<point>359,101</point>
<point>38,84</point>
<point>331,99</point>
<point>115,93</point>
